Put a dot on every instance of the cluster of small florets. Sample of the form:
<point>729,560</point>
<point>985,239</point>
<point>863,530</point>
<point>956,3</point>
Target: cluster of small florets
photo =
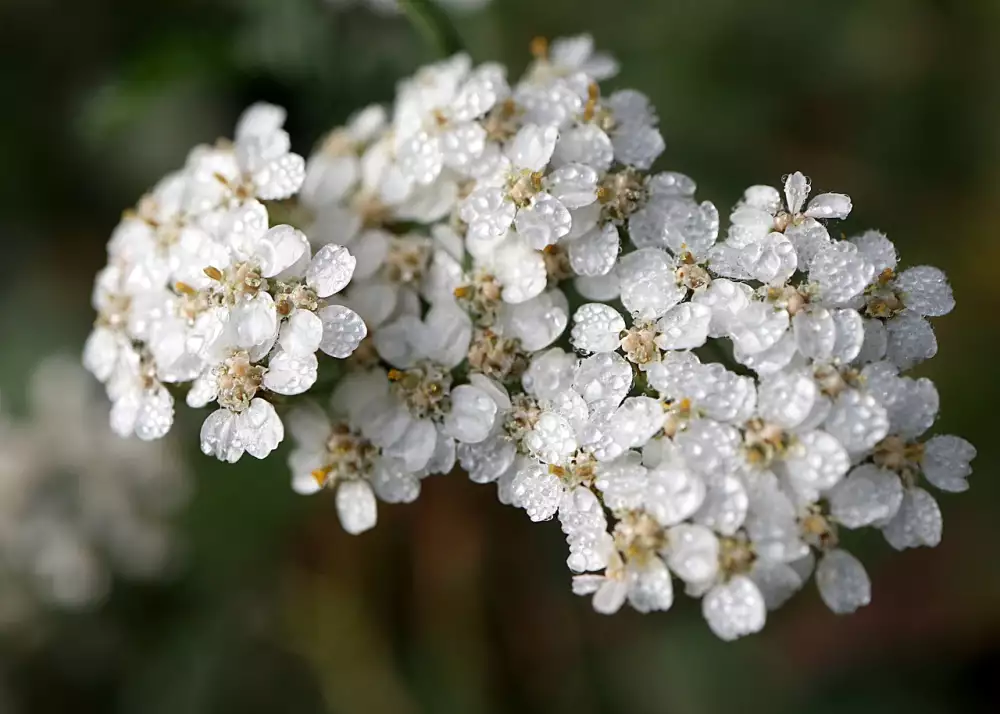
<point>717,410</point>
<point>201,291</point>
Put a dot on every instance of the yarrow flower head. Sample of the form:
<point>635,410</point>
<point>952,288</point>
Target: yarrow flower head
<point>553,316</point>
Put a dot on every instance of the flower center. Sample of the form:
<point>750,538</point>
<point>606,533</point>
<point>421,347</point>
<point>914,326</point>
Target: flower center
<point>239,380</point>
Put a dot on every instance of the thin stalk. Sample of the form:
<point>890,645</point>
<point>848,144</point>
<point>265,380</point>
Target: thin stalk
<point>434,24</point>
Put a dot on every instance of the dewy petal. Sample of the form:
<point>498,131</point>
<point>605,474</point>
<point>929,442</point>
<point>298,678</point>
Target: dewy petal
<point>343,331</point>
<point>537,490</point>
<point>584,144</point>
<point>330,270</point>
<point>156,414</point>
<point>280,178</point>
<point>255,321</point>
<point>796,190</point>
<point>221,437</point>
<point>279,249</point>
<point>693,553</point>
<point>488,211</point>
<point>683,327</point>
<point>291,374</point>
<point>575,185</point>
<point>725,506</point>
<point>532,147</point>
<point>100,352</point>
<point>595,252</point>
<point>543,222</point>
<point>946,462</point>
<point>829,205</point>
<point>917,523</point>
<point>786,398</point>
<point>926,290</point>
<point>734,609</point>
<point>462,145</point>
<point>472,414</point>
<point>842,581</point>
<point>877,250</point>
<point>649,586</point>
<point>673,494</point>
<point>910,340</point>
<point>356,507</point>
<point>817,463</point>
<point>538,322</point>
<point>610,597</point>
<point>815,332</point>
<point>850,330</point>
<point>867,496</point>
<point>857,421</point>
<point>260,429</point>
<point>597,328</point>
<point>420,158</point>
<point>301,333</point>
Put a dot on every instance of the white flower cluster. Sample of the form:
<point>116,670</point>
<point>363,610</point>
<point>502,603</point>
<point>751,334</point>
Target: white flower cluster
<point>77,503</point>
<point>200,289</point>
<point>716,413</point>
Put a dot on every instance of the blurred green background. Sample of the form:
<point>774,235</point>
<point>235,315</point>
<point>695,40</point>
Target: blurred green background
<point>456,604</point>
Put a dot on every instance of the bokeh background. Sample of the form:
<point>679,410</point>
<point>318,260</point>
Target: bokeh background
<point>456,604</point>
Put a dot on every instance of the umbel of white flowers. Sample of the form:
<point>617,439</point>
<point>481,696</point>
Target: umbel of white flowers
<point>716,413</point>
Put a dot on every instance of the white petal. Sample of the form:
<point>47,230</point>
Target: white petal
<point>538,322</point>
<point>301,333</point>
<point>917,523</point>
<point>843,583</point>
<point>472,415</point>
<point>584,144</point>
<point>603,376</point>
<point>552,440</point>
<point>725,506</point>
<point>910,340</point>
<point>420,158</point>
<point>343,331</point>
<point>280,178</point>
<point>815,332</point>
<point>156,414</point>
<point>290,373</point>
<point>532,147</point>
<point>926,290</point>
<point>684,327</point>
<point>462,145</point>
<point>597,328</point>
<point>330,270</point>
<point>796,189</point>
<point>260,429</point>
<point>221,437</point>
<point>649,586</point>
<point>734,609</point>
<point>693,553</point>
<point>868,495</point>
<point>595,252</point>
<point>946,462</point>
<point>537,490</point>
<point>786,398</point>
<point>255,321</point>
<point>816,463</point>
<point>877,250</point>
<point>829,205</point>
<point>673,494</point>
<point>356,507</point>
<point>574,185</point>
<point>857,421</point>
<point>543,222</point>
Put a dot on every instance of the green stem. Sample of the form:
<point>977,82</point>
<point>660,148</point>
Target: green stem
<point>434,24</point>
